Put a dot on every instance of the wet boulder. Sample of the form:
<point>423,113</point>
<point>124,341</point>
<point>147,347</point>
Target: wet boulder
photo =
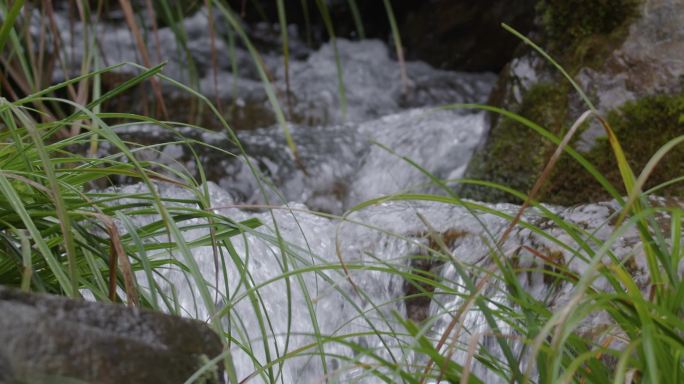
<point>46,338</point>
<point>625,55</point>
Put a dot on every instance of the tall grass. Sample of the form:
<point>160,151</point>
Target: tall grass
<point>60,232</point>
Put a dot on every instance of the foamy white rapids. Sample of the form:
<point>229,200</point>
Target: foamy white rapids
<point>319,298</point>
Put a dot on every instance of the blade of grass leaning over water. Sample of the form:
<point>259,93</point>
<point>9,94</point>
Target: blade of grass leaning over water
<point>8,22</point>
<point>358,22</point>
<point>282,19</point>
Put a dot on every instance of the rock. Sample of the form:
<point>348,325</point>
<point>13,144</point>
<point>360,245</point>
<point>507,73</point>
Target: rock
<point>463,35</point>
<point>45,338</point>
<point>621,52</point>
<point>448,34</point>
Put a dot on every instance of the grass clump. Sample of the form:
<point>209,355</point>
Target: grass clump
<point>58,233</point>
<point>634,290</point>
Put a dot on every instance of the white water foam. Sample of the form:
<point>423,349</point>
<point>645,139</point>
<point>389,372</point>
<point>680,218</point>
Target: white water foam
<point>383,235</point>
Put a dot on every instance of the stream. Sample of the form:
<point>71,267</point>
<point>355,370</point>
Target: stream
<point>346,159</point>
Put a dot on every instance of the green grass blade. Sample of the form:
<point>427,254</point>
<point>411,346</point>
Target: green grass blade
<point>356,15</point>
<point>8,22</point>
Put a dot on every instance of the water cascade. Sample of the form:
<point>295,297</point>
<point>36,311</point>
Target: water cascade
<point>329,288</point>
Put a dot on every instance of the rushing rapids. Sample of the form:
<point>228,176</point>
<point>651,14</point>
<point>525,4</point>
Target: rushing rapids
<point>294,297</point>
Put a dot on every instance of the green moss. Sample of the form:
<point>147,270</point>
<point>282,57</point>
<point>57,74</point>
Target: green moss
<point>565,22</point>
<point>581,32</point>
<point>642,127</point>
<point>514,153</point>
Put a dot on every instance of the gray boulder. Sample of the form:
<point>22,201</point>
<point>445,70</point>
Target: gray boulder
<point>48,339</point>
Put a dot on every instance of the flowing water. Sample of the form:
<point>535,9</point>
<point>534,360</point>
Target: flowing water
<point>346,158</point>
<point>384,239</point>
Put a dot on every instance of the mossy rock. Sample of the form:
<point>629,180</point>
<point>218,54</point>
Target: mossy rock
<point>642,127</point>
<point>613,51</point>
<point>515,152</point>
<point>581,33</point>
<point>566,23</point>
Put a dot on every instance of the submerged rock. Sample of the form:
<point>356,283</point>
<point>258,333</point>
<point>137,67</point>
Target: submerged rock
<point>625,55</point>
<point>337,167</point>
<point>48,339</point>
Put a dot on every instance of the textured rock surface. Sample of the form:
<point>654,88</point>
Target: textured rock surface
<point>621,60</point>
<point>46,338</point>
